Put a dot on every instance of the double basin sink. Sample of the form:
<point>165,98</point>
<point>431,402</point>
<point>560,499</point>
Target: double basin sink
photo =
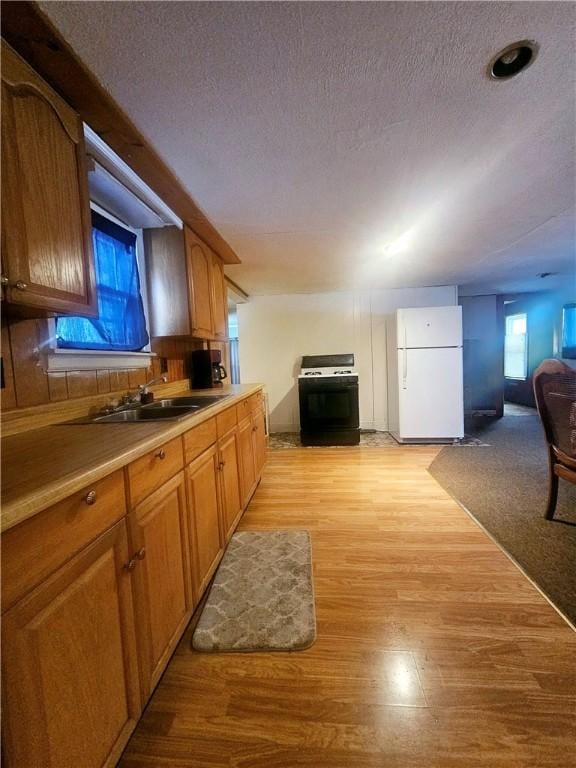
<point>169,409</point>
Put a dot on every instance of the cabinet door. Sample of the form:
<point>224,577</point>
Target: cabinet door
<point>219,299</point>
<point>247,469</point>
<point>47,241</point>
<point>70,688</point>
<point>168,292</point>
<point>259,440</point>
<point>229,482</point>
<point>199,260</point>
<point>161,569</point>
<point>206,536</point>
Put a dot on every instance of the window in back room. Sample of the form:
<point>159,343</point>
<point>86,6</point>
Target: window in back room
<point>121,321</point>
<point>569,331</point>
<point>516,347</point>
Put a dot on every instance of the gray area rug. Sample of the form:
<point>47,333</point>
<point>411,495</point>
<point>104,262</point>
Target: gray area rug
<point>262,598</point>
<point>505,487</point>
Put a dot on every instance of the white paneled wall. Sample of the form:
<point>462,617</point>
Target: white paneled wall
<point>275,331</point>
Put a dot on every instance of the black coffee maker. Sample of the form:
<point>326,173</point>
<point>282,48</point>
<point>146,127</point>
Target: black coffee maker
<point>206,369</point>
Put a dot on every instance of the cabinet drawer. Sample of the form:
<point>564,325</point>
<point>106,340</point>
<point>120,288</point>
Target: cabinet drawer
<point>37,547</point>
<point>198,439</point>
<point>256,402</point>
<point>226,421</point>
<point>243,410</point>
<point>149,472</point>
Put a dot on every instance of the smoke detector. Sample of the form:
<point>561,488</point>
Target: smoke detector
<point>513,59</point>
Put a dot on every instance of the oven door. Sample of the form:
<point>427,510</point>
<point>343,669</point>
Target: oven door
<point>329,404</point>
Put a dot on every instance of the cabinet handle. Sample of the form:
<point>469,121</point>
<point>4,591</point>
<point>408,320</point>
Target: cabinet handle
<point>161,454</point>
<point>90,498</point>
<point>221,465</point>
<point>21,285</point>
<point>141,554</point>
<point>131,564</point>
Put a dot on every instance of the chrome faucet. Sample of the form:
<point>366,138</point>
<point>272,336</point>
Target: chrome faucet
<point>130,398</point>
<point>143,388</point>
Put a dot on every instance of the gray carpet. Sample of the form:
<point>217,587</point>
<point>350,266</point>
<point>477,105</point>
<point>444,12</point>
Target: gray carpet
<point>505,487</point>
<point>262,598</point>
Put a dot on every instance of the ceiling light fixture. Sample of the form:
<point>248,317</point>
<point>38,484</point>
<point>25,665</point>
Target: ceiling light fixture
<point>401,244</point>
<point>513,59</point>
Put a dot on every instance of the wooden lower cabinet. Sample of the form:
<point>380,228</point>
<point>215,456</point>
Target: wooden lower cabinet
<point>70,681</point>
<point>248,477</point>
<point>88,632</point>
<point>231,501</point>
<point>206,536</point>
<point>259,440</point>
<point>161,577</point>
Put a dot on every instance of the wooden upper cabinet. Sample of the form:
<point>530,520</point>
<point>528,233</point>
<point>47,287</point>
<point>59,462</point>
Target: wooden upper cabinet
<point>219,299</point>
<point>46,230</point>
<point>166,274</point>
<point>186,285</point>
<point>199,258</point>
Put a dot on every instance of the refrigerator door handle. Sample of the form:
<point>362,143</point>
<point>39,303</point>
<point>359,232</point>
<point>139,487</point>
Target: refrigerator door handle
<point>405,366</point>
<point>405,370</point>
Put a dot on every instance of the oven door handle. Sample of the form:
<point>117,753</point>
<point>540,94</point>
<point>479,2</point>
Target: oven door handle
<point>329,388</point>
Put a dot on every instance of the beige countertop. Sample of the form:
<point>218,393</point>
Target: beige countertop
<point>43,466</point>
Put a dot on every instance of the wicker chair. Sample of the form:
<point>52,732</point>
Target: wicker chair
<point>555,392</point>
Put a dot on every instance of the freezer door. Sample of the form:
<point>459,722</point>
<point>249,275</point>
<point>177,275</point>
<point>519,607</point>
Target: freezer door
<point>430,327</point>
<point>431,393</point>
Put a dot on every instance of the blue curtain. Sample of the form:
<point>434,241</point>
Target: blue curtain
<point>120,324</point>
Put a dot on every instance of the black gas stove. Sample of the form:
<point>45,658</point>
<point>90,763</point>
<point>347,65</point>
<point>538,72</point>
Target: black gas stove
<point>328,395</point>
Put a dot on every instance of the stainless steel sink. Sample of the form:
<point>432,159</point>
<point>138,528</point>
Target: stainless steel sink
<point>145,414</point>
<point>195,402</point>
<point>169,409</point>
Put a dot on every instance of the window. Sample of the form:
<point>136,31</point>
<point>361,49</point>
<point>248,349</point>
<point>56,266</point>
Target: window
<point>516,347</point>
<point>121,322</point>
<point>569,331</point>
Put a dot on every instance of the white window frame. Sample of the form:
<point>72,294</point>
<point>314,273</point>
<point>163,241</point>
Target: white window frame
<point>57,360</point>
<point>525,376</point>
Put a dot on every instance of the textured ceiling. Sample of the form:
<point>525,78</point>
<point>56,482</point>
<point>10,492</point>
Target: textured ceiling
<point>354,143</point>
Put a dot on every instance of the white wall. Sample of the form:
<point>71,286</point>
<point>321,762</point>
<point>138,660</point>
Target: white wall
<point>275,331</point>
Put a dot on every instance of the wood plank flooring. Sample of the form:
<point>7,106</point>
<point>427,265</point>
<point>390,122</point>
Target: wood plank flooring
<point>433,650</point>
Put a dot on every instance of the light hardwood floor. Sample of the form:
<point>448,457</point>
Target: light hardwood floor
<point>433,650</point>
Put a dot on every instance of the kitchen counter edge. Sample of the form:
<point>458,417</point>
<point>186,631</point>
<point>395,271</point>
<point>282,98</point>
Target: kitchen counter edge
<point>24,506</point>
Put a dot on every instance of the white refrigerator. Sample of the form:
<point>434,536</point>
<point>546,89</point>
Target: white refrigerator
<point>425,386</point>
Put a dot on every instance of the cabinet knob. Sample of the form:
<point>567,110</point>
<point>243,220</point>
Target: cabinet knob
<point>221,465</point>
<point>161,454</point>
<point>131,564</point>
<point>254,429</point>
<point>4,280</point>
<point>21,285</point>
<point>90,498</point>
<point>141,554</point>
